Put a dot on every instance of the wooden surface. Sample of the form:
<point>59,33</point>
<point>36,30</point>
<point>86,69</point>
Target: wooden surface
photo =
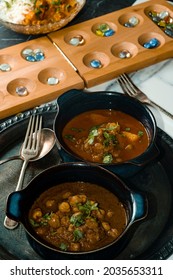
<point>79,74</point>
<point>107,48</point>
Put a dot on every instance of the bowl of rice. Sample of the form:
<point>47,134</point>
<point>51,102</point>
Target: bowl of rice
<point>38,16</point>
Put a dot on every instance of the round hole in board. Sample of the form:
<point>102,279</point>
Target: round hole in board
<point>131,20</point>
<point>126,47</point>
<point>99,59</point>
<point>147,37</point>
<point>21,87</point>
<point>76,38</point>
<point>51,76</point>
<point>104,29</point>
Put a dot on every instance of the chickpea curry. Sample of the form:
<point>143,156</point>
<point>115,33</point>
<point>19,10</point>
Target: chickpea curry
<point>46,11</point>
<point>105,136</point>
<point>78,216</point>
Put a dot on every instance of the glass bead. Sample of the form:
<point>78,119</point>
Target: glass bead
<point>109,33</point>
<point>21,91</point>
<point>147,45</point>
<point>39,56</point>
<point>99,33</point>
<point>74,41</point>
<point>5,67</point>
<point>124,54</point>
<point>52,81</point>
<point>161,23</point>
<point>169,32</point>
<point>77,40</point>
<point>26,52</point>
<point>163,14</point>
<point>104,27</point>
<point>154,43</point>
<point>128,24</point>
<point>30,58</point>
<point>134,21</point>
<point>95,63</point>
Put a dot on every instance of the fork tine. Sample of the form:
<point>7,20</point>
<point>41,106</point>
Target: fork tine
<point>122,82</point>
<point>33,132</point>
<point>132,86</point>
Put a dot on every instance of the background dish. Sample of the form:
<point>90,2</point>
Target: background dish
<point>157,180</point>
<point>44,28</point>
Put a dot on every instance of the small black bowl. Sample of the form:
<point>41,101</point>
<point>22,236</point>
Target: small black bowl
<point>19,203</point>
<point>75,102</point>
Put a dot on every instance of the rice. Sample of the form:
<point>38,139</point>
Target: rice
<point>14,10</point>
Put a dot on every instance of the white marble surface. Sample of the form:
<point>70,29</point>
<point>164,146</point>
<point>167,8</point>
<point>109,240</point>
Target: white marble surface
<point>157,82</point>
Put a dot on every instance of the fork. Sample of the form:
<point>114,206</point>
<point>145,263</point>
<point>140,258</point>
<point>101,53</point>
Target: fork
<point>132,90</point>
<point>30,150</point>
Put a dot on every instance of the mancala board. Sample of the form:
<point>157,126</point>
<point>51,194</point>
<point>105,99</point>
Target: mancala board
<point>79,56</point>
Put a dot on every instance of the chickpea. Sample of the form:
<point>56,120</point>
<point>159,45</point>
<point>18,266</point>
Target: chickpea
<point>113,232</point>
<point>98,147</point>
<point>54,221</point>
<point>92,236</point>
<point>71,228</point>
<point>65,221</point>
<point>66,195</point>
<point>49,203</point>
<point>110,214</point>
<point>74,247</point>
<point>37,214</point>
<point>75,199</point>
<point>64,207</point>
<point>106,226</point>
<point>91,223</point>
<point>100,214</point>
<point>41,230</point>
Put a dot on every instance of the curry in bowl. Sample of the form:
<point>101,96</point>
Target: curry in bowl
<point>78,216</point>
<point>105,136</point>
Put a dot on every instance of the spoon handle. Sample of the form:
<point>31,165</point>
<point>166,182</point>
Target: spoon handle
<point>9,223</point>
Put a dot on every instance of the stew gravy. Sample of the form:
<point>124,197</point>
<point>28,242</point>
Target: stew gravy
<point>105,136</point>
<point>78,216</point>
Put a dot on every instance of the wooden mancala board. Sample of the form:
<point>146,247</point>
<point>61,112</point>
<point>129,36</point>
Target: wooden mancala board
<point>70,64</point>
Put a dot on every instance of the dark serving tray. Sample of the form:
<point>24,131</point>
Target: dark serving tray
<point>151,238</point>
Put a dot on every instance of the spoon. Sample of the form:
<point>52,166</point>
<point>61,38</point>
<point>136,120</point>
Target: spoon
<point>47,143</point>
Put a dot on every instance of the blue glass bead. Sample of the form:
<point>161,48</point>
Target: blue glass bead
<point>154,43</point>
<point>147,45</point>
<point>39,56</point>
<point>30,58</point>
<point>128,24</point>
<point>95,63</point>
<point>169,32</point>
<point>109,33</point>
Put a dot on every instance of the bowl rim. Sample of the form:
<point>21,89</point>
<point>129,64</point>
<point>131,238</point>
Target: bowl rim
<point>135,160</point>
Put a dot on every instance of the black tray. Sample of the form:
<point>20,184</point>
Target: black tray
<point>151,238</point>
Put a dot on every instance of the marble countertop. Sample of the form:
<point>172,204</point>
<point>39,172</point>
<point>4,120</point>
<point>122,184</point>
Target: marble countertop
<point>156,80</point>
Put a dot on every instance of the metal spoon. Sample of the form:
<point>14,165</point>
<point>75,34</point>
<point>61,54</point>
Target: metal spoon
<point>47,143</point>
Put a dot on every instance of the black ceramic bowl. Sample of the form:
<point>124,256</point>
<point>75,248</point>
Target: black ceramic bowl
<point>19,203</point>
<point>75,102</point>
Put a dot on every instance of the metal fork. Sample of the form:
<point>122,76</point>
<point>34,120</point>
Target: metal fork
<point>132,90</point>
<point>29,150</point>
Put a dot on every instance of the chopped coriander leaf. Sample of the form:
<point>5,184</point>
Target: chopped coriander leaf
<point>140,133</point>
<point>78,234</point>
<point>77,220</point>
<point>127,129</point>
<point>88,207</point>
<point>63,246</point>
<point>107,158</point>
<point>33,223</point>
<point>70,137</point>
